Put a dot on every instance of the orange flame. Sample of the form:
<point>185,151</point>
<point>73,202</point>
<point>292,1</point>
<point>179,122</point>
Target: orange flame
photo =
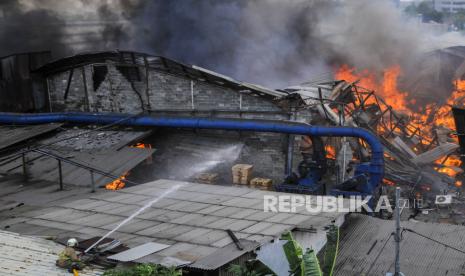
<point>330,152</point>
<point>427,119</point>
<point>388,182</point>
<point>444,114</point>
<point>142,146</point>
<point>386,155</point>
<point>448,162</point>
<point>447,171</point>
<point>385,87</point>
<point>451,160</point>
<point>117,184</point>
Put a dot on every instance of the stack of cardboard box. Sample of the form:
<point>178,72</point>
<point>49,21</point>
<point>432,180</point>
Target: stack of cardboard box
<point>242,173</point>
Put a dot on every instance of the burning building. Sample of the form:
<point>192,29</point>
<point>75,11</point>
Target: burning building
<point>121,156</point>
<point>147,160</point>
<point>133,83</point>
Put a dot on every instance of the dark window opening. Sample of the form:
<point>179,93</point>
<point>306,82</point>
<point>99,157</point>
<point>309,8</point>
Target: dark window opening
<point>131,73</point>
<point>99,74</point>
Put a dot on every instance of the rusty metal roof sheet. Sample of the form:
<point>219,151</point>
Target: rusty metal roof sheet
<point>23,255</point>
<point>11,135</point>
<point>368,248</point>
<point>104,150</point>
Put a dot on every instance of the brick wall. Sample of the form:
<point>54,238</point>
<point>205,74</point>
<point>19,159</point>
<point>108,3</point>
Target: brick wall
<point>176,95</point>
<point>172,92</point>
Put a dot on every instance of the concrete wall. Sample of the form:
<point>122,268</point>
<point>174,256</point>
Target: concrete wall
<point>169,94</point>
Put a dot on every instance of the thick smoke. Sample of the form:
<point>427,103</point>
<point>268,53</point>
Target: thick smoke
<point>372,35</point>
<point>278,42</point>
<point>65,27</point>
<point>271,42</point>
<point>29,30</point>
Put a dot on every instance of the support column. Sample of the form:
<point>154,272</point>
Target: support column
<point>92,180</point>
<point>25,170</point>
<point>60,174</point>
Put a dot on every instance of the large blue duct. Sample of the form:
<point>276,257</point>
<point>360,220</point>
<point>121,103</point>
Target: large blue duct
<point>376,165</point>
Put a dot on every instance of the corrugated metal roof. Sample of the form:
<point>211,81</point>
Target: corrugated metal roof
<point>192,220</point>
<point>83,139</point>
<point>138,251</point>
<point>367,248</point>
<point>104,150</point>
<point>10,135</point>
<point>23,255</point>
<point>225,255</point>
<point>111,161</point>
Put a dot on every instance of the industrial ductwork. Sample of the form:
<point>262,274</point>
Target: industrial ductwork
<point>375,167</point>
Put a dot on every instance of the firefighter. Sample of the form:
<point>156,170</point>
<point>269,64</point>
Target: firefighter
<point>68,258</point>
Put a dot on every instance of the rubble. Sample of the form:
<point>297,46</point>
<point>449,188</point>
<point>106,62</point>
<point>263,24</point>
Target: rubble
<point>421,149</point>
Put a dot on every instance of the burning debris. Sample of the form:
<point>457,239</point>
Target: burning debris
<point>117,183</point>
<point>421,145</point>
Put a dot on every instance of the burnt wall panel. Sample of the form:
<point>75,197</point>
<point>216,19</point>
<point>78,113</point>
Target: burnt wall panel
<point>20,90</point>
<point>68,97</point>
<point>115,93</point>
<point>118,94</point>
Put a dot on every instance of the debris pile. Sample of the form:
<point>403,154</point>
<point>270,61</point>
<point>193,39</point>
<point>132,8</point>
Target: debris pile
<point>421,145</point>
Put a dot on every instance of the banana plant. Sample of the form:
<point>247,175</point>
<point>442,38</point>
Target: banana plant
<point>307,264</point>
<point>301,263</point>
<point>332,248</point>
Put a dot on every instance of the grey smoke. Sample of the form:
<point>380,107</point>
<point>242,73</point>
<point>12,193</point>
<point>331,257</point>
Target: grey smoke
<point>270,42</point>
<point>29,30</point>
<point>65,26</point>
<point>278,43</point>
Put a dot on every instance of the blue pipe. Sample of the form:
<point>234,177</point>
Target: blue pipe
<point>376,166</point>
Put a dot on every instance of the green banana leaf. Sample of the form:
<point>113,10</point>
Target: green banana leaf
<point>311,266</point>
<point>332,248</point>
<point>293,252</point>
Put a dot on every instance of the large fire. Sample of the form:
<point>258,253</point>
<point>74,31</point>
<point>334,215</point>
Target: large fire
<point>426,120</point>
<point>386,88</point>
<point>117,184</point>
